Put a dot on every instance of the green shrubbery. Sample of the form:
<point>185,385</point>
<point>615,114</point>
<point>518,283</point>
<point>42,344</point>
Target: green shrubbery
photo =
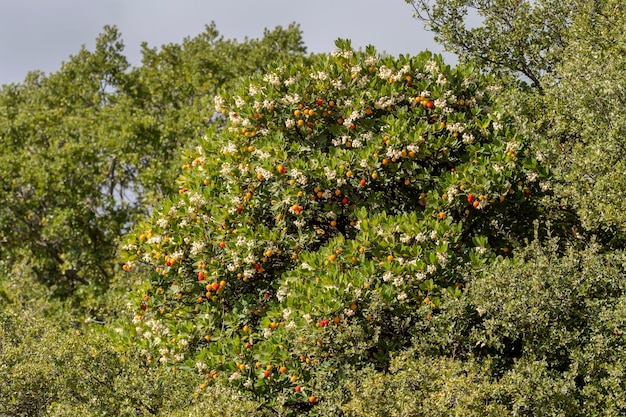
<point>330,220</point>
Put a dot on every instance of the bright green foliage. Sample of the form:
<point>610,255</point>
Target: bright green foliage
<point>88,149</point>
<point>47,370</point>
<point>573,54</point>
<point>585,102</point>
<point>336,211</point>
<point>520,37</point>
<point>541,333</point>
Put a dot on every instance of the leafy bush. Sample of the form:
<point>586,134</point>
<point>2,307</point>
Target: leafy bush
<point>336,210</point>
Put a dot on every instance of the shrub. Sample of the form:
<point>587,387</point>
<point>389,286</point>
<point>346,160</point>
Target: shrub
<point>338,208</point>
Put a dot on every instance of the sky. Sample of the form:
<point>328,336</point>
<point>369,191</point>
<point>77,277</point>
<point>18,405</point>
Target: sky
<point>41,34</point>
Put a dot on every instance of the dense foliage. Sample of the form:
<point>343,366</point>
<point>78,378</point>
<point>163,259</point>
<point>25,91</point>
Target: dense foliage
<point>89,149</point>
<point>346,234</point>
<point>327,222</point>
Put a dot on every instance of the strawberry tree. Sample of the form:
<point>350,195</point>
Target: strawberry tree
<point>329,219</point>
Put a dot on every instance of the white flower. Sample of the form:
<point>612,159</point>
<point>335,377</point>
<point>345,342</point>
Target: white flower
<point>272,78</point>
<point>264,172</point>
<point>442,257</point>
<point>385,73</point>
<point>510,146</point>
<point>468,138</point>
<point>394,153</point>
<point>338,84</point>
<point>154,239</point>
<point>234,118</point>
<point>320,76</point>
<point>432,67</point>
<point>197,200</point>
<point>254,89</point>
<point>219,102</point>
<point>281,294</point>
<point>230,148</point>
<point>239,102</point>
<point>455,127</point>
<point>196,247</point>
<point>431,268</point>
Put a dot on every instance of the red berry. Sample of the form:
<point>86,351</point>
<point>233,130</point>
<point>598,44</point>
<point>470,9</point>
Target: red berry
<point>319,101</point>
<point>143,307</point>
<point>344,201</point>
<point>362,182</point>
<point>470,198</point>
<point>222,244</point>
<point>266,374</point>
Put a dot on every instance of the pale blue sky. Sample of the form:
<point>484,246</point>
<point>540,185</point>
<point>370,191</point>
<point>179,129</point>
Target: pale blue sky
<point>40,34</point>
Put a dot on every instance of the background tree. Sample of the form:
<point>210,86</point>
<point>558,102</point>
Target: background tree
<point>572,52</point>
<point>519,37</point>
<point>88,150</point>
